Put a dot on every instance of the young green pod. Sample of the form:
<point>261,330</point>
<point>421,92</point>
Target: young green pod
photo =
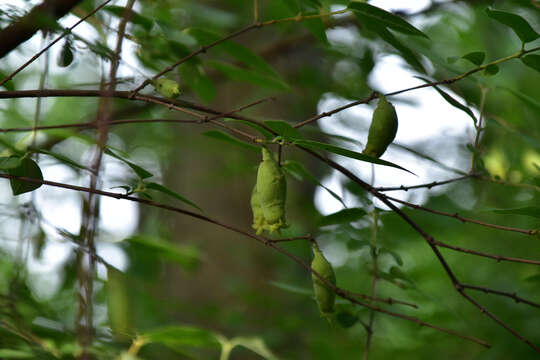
<point>383,129</point>
<point>272,190</point>
<point>256,209</point>
<point>324,295</point>
<point>166,87</point>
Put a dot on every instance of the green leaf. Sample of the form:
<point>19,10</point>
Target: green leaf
<point>178,337</point>
<point>298,171</point>
<point>63,159</point>
<point>451,100</point>
<point>374,14</point>
<point>533,103</point>
<point>476,57</point>
<point>27,168</point>
<point>118,304</point>
<point>8,84</point>
<point>532,61</point>
<point>491,70</point>
<point>167,191</point>
<point>240,52</point>
<point>408,55</point>
<point>254,344</point>
<point>9,162</point>
<point>245,75</point>
<point>345,216</point>
<point>533,211</point>
<point>346,319</point>
<point>317,28</point>
<point>196,79</point>
<point>292,288</point>
<point>142,173</point>
<point>520,26</point>
<point>392,253</point>
<point>16,354</point>
<point>133,16</point>
<point>315,145</point>
<point>220,135</point>
<point>267,134</point>
<point>284,129</point>
<point>187,256</point>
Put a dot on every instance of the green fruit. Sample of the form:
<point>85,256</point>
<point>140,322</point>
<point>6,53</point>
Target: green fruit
<point>383,128</point>
<point>166,87</point>
<point>272,190</point>
<point>324,295</point>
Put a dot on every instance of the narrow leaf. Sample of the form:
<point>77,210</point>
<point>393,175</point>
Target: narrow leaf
<point>520,26</point>
<point>533,103</point>
<point>187,256</point>
<point>315,145</point>
<point>384,18</point>
<point>245,75</point>
<point>16,354</point>
<point>178,337</point>
<point>298,171</point>
<point>240,52</point>
<point>133,16</point>
<point>408,55</point>
<point>167,191</point>
<point>284,129</point>
<point>292,288</point>
<point>220,135</point>
<point>476,57</point>
<point>64,159</point>
<point>255,344</point>
<point>451,100</point>
<point>142,173</point>
<point>267,134</point>
<point>532,61</point>
<point>533,211</point>
<point>345,216</point>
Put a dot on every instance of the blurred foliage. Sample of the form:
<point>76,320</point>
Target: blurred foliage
<point>188,289</point>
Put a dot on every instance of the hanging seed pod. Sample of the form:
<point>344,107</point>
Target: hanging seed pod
<point>272,190</point>
<point>65,57</point>
<point>383,129</point>
<point>258,216</point>
<point>166,87</point>
<point>324,295</point>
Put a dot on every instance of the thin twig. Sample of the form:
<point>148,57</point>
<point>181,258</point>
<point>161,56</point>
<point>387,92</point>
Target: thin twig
<point>428,185</point>
<point>464,219</point>
<point>514,296</point>
<point>499,258</point>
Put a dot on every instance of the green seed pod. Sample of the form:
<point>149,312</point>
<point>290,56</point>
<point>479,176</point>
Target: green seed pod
<point>383,128</point>
<point>272,190</point>
<point>166,87</point>
<point>258,216</point>
<point>324,295</point>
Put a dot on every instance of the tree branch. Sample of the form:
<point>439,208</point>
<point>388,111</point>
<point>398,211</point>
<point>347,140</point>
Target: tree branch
<point>37,19</point>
